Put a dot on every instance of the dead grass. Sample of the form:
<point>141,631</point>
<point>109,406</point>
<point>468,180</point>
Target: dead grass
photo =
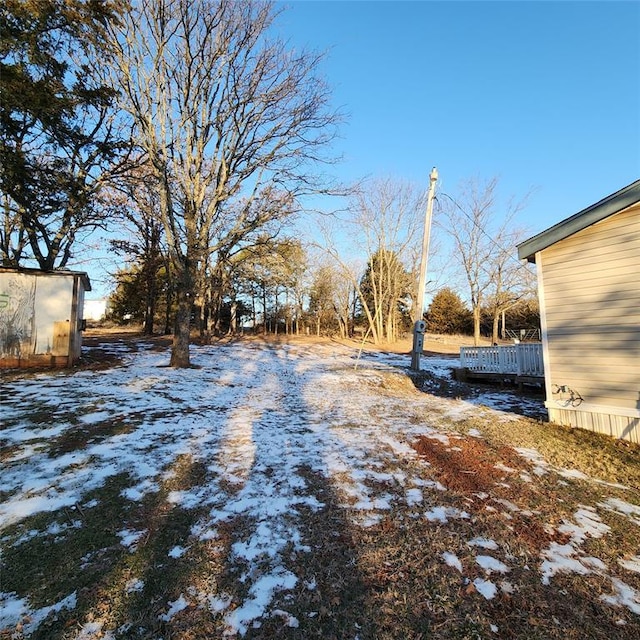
<point>433,343</point>
<point>387,581</point>
<point>596,455</point>
<point>481,476</point>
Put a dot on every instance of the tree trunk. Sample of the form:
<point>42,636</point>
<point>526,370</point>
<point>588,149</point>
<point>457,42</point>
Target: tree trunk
<point>233,322</point>
<point>204,311</point>
<point>372,323</point>
<point>287,314</point>
<point>182,331</point>
<point>150,308</point>
<point>264,309</point>
<point>494,332</point>
<point>168,300</point>
<point>167,313</point>
<point>476,325</point>
<point>149,314</point>
<point>202,330</point>
<point>216,308</point>
<point>275,313</point>
<point>342,325</point>
<point>354,310</point>
<point>151,295</point>
<point>391,329</point>
<point>254,313</point>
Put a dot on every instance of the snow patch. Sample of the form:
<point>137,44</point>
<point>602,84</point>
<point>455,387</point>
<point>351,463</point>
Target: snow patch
<point>483,543</point>
<point>442,514</point>
<point>135,585</point>
<point>174,608</point>
<point>91,631</point>
<point>623,595</point>
<point>485,588</point>
<point>573,474</point>
<point>632,511</point>
<point>130,539</point>
<point>491,564</point>
<point>631,564</point>
<point>414,497</point>
<point>14,610</point>
<point>261,594</point>
<point>452,560</point>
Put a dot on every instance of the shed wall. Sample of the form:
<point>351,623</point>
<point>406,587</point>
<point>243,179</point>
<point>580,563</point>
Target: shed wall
<point>40,318</point>
<point>591,299</point>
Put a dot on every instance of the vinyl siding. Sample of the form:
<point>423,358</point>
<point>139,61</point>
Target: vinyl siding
<point>610,424</point>
<point>592,315</point>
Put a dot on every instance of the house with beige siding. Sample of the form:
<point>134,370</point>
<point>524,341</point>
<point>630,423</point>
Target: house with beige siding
<point>588,270</point>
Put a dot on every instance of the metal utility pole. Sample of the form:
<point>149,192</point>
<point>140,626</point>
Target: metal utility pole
<point>419,324</point>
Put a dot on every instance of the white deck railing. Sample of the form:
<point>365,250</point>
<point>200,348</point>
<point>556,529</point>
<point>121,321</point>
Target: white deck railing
<point>519,359</point>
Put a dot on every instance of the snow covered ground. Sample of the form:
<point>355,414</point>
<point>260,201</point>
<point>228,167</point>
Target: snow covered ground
<point>255,415</point>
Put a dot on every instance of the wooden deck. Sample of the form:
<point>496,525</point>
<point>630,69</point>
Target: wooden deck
<point>517,363</point>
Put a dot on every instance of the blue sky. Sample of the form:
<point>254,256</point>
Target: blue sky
<point>545,95</point>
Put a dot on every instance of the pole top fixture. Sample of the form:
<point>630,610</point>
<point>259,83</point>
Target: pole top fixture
<point>433,176</point>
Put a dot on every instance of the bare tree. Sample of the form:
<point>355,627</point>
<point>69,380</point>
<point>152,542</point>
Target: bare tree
<point>512,281</point>
<point>480,237</point>
<point>13,235</point>
<point>223,113</point>
<point>345,300</point>
<point>385,217</point>
<point>134,200</point>
<point>331,299</point>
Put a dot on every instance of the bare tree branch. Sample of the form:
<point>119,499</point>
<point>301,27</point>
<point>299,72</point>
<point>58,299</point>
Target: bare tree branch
<point>223,112</point>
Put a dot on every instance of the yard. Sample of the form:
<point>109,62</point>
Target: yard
<point>300,489</point>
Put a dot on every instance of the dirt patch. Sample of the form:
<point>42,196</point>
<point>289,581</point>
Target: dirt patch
<point>475,470</point>
<point>96,338</point>
<point>469,465</point>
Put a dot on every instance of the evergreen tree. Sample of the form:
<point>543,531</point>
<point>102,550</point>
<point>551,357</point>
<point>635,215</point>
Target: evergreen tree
<point>270,272</point>
<point>448,314</point>
<point>385,289</point>
<point>322,307</point>
<point>57,138</point>
<point>129,302</point>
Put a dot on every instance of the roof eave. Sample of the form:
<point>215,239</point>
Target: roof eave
<point>606,207</point>
<point>83,275</point>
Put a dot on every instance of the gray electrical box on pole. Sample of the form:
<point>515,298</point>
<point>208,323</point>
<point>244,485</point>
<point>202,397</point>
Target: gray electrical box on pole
<point>418,344</point>
<point>419,325</point>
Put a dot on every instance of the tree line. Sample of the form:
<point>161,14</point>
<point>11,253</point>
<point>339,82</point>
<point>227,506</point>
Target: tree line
<point>285,290</point>
<point>285,285</point>
<point>193,134</point>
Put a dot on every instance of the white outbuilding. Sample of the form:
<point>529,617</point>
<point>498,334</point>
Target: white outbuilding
<point>41,317</point>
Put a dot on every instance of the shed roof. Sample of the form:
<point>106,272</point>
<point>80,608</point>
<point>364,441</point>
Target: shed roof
<point>606,207</point>
<point>60,272</point>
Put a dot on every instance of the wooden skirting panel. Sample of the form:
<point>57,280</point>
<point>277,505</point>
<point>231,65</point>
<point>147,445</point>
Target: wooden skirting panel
<point>41,361</point>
